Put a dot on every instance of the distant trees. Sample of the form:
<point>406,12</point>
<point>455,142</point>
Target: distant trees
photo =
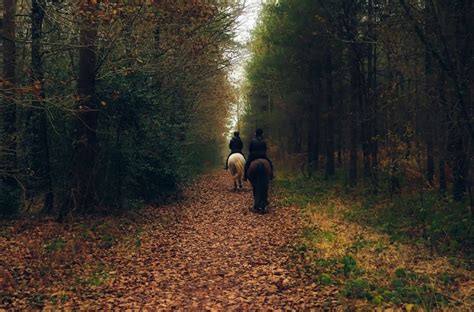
<point>106,105</point>
<point>384,87</point>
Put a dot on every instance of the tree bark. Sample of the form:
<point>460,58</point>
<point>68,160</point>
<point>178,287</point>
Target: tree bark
<point>429,104</point>
<point>38,128</point>
<point>9,141</point>
<point>355,89</point>
<point>443,122</point>
<point>82,193</point>
<point>330,165</point>
<point>314,127</point>
<point>372,97</point>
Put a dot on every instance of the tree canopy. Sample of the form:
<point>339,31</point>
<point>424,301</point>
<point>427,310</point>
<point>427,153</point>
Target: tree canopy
<point>124,101</point>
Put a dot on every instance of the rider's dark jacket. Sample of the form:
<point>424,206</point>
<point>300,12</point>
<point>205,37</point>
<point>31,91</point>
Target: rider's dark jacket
<point>236,145</point>
<point>258,148</point>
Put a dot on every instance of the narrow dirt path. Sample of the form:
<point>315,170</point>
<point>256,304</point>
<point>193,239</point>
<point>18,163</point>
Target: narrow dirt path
<point>219,256</point>
<point>208,252</point>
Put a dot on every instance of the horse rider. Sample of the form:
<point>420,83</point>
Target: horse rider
<point>257,150</point>
<point>235,146</point>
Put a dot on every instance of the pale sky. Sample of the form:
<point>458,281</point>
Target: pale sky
<point>248,19</point>
<point>246,23</point>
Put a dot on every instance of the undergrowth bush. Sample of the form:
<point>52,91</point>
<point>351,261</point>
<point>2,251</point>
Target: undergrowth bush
<point>436,221</point>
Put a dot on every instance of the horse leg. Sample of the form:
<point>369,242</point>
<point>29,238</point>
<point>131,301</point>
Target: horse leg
<point>240,182</point>
<point>235,185</point>
<point>265,197</point>
<point>261,200</point>
<point>255,198</point>
<point>259,207</point>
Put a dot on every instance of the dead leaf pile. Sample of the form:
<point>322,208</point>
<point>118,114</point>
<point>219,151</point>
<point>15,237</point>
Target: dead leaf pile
<point>206,252</point>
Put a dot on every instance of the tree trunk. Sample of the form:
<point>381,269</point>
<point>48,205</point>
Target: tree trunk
<point>81,195</point>
<point>313,141</point>
<point>37,124</point>
<point>442,176</point>
<point>458,157</point>
<point>314,121</point>
<point>316,128</point>
<point>372,98</point>
<point>430,102</point>
<point>339,123</point>
<point>330,165</point>
<point>9,187</point>
<point>430,163</point>
<point>443,122</point>
<point>355,89</point>
<point>356,102</point>
<point>464,135</point>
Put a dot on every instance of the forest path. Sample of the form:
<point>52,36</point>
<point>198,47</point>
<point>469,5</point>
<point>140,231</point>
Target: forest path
<point>207,252</point>
<point>218,256</point>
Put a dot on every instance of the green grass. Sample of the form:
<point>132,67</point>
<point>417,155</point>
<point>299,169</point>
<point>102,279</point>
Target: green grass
<point>316,234</point>
<point>55,245</point>
<point>437,222</point>
<point>96,279</point>
<point>434,221</point>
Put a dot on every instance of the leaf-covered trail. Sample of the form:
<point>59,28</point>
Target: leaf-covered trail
<point>219,255</point>
<point>207,252</point>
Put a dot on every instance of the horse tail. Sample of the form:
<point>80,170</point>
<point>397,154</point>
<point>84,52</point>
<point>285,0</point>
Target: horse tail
<point>261,175</point>
<point>239,168</point>
<point>261,186</point>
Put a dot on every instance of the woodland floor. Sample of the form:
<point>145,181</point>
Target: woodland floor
<point>208,252</point>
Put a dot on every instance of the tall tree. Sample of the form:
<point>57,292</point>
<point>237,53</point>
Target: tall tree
<point>8,183</point>
<point>82,193</point>
<point>37,120</point>
<point>330,133</point>
<point>350,11</point>
<point>372,94</point>
<point>449,43</point>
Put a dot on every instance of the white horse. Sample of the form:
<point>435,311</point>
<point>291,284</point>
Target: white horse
<point>236,165</point>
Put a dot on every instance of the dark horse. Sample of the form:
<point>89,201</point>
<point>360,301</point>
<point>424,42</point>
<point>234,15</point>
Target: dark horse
<point>259,176</point>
